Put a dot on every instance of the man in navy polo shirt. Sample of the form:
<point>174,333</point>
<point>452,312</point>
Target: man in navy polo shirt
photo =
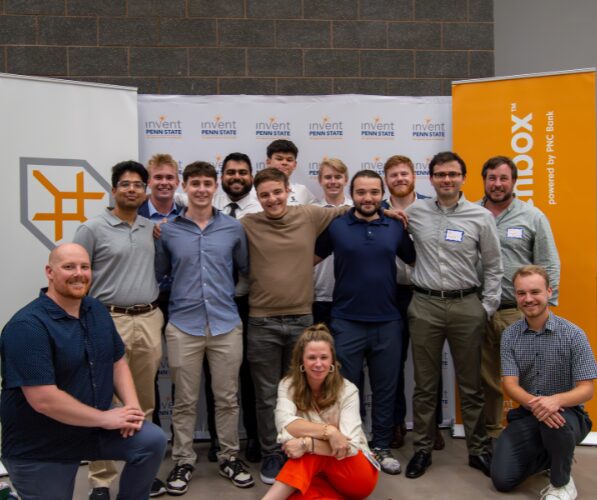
<point>365,321</point>
<point>62,361</point>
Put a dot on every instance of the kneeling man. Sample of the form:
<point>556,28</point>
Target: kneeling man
<point>549,368</point>
<point>62,361</point>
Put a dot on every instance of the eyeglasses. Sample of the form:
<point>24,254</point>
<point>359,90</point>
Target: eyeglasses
<point>444,175</point>
<point>135,184</point>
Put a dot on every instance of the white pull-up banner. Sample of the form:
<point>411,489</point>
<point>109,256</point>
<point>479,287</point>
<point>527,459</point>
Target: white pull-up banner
<point>59,141</point>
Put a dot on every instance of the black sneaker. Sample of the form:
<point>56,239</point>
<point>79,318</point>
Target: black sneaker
<point>178,479</point>
<point>158,488</point>
<point>235,470</point>
<point>99,494</point>
<point>271,467</point>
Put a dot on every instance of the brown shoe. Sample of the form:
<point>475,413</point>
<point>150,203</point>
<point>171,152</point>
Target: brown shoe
<point>439,443</point>
<point>399,433</point>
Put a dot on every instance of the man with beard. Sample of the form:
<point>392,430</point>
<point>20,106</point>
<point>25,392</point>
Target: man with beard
<point>365,318</point>
<point>454,239</point>
<point>399,174</point>
<point>237,200</point>
<point>549,369</point>
<point>525,238</point>
<point>62,361</point>
<point>120,245</point>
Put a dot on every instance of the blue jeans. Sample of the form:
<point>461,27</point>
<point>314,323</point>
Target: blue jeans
<point>269,348</point>
<point>381,344</point>
<point>143,454</point>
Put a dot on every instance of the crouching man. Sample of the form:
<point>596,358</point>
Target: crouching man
<point>62,362</point>
<point>549,368</point>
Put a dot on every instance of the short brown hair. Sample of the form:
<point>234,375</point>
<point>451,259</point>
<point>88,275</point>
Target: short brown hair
<point>392,161</point>
<point>529,270</point>
<point>199,169</point>
<point>270,174</point>
<point>335,164</point>
<point>162,159</point>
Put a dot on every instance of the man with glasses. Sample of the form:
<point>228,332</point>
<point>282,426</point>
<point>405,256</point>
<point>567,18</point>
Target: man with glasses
<point>454,240</point>
<point>121,249</point>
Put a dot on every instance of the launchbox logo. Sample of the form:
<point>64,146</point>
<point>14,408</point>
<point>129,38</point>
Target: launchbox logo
<point>218,128</point>
<point>59,194</point>
<point>163,128</point>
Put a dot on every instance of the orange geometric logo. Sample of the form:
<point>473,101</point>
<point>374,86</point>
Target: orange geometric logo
<point>59,216</point>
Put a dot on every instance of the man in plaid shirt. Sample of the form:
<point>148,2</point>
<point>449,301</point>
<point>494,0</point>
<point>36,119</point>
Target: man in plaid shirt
<point>548,367</point>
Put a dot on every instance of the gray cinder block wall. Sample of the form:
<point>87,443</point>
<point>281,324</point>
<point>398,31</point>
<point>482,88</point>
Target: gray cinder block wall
<point>383,47</point>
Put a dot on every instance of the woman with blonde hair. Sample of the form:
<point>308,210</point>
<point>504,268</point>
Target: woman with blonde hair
<point>319,426</point>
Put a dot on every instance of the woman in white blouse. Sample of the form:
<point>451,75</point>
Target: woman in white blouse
<point>319,426</point>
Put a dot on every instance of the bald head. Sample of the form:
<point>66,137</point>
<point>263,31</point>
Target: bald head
<point>66,249</point>
<point>68,272</point>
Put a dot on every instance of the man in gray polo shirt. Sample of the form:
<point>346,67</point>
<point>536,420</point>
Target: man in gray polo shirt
<point>525,238</point>
<point>452,237</point>
<point>120,245</point>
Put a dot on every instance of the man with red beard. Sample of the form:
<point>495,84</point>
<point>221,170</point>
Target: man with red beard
<point>62,361</point>
<point>120,245</point>
<point>525,238</point>
<point>549,369</point>
<point>399,175</point>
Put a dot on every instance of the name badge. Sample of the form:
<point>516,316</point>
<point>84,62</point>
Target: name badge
<point>514,232</point>
<point>454,235</point>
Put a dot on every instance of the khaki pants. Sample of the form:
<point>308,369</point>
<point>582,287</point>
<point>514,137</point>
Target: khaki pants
<point>142,337</point>
<point>461,321</point>
<point>185,357</point>
<point>491,369</point>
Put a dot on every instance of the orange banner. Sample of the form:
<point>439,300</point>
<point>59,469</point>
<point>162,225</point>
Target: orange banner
<point>546,124</point>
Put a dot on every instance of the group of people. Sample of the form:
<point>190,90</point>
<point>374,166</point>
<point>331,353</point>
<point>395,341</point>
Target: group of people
<point>228,278</point>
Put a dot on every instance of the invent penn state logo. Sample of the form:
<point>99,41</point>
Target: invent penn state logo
<point>57,195</point>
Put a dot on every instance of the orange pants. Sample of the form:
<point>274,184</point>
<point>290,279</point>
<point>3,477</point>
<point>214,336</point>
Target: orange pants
<point>319,477</point>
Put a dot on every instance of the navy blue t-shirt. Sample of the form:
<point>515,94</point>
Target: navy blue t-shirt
<point>365,265</point>
<point>43,345</point>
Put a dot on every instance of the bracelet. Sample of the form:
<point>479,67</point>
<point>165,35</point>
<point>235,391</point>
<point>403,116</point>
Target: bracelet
<point>325,436</point>
<point>312,445</point>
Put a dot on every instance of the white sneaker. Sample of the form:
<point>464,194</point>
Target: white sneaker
<point>566,492</point>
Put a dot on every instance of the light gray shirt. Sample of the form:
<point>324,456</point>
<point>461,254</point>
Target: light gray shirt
<point>450,243</point>
<point>526,238</point>
<point>122,259</point>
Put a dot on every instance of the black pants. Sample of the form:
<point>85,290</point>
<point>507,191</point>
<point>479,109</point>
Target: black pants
<point>528,446</point>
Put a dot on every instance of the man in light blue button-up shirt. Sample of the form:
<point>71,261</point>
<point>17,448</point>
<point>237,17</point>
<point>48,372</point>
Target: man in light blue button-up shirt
<point>200,249</point>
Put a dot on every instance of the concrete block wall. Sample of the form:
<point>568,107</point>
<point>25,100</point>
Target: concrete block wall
<point>383,47</point>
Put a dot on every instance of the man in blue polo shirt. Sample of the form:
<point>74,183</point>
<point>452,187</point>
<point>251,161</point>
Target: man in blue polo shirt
<point>365,321</point>
<point>62,361</point>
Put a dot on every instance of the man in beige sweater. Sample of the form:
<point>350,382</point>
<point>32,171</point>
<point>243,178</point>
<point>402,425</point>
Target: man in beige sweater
<point>281,248</point>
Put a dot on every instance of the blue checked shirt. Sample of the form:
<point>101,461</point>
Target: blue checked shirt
<point>550,361</point>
